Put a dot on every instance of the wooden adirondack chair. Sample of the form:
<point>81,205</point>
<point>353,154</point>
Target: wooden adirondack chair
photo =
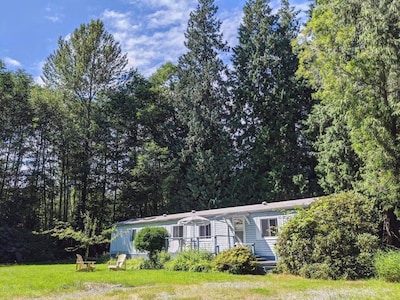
<point>82,265</point>
<point>120,264</point>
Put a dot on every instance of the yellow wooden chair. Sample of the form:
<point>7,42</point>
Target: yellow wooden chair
<point>120,264</point>
<point>82,265</point>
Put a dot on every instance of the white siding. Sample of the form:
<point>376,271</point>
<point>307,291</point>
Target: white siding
<point>222,235</point>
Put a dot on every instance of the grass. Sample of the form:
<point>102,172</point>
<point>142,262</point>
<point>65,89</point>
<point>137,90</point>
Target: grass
<point>62,282</point>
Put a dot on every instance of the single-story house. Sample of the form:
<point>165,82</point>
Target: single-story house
<point>214,230</point>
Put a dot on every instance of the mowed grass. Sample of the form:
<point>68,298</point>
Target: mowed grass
<point>62,282</point>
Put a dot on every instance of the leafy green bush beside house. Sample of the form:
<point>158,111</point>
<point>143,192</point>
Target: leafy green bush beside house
<point>192,261</point>
<point>336,238</point>
<point>151,240</point>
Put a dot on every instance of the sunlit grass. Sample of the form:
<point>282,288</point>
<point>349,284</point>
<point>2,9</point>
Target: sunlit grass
<point>54,281</point>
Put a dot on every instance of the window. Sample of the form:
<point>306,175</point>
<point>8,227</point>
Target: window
<point>269,227</point>
<point>133,233</point>
<point>205,231</point>
<point>177,231</point>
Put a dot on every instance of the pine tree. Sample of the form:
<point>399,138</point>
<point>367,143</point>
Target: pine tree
<point>271,103</point>
<point>202,108</point>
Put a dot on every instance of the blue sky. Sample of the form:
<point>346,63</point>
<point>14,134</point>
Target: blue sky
<point>151,32</point>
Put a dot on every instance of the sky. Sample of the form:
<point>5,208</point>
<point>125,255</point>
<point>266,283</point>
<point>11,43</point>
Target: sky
<point>151,32</point>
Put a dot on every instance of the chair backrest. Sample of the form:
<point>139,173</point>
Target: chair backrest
<point>121,260</point>
<point>79,258</point>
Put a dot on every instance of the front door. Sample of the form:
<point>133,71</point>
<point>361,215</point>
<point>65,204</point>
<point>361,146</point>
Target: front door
<point>238,225</point>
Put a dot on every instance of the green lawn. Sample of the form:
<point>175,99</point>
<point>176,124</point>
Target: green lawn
<point>62,282</point>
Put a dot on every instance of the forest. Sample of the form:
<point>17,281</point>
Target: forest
<point>293,110</point>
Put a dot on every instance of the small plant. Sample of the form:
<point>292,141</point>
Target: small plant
<point>238,260</point>
<point>191,260</point>
<point>387,265</point>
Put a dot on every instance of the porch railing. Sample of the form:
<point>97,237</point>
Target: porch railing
<point>214,244</point>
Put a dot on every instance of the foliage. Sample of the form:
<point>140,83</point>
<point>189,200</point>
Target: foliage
<point>335,238</point>
<point>191,261</point>
<point>84,66</point>
<point>21,246</point>
<point>202,106</point>
<point>238,260</point>
<point>151,240</point>
<point>387,265</point>
<point>270,106</point>
<point>349,53</point>
<point>85,238</point>
<point>160,259</point>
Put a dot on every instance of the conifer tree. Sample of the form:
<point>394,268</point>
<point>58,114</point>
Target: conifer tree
<point>202,107</point>
<point>270,105</point>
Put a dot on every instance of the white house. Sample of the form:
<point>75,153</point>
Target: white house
<point>214,230</point>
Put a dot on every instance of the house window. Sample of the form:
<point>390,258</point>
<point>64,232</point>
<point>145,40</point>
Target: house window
<point>205,231</point>
<point>177,231</point>
<point>133,233</point>
<point>269,227</point>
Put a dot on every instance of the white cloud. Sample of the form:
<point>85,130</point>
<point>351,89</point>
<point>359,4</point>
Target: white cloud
<point>12,62</point>
<point>55,18</point>
<point>120,21</point>
<point>154,35</point>
<point>230,24</point>
<point>38,67</point>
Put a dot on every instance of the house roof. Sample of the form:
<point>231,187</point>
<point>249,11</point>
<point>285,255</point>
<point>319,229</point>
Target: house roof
<point>224,212</point>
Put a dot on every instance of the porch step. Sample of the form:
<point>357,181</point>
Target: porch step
<point>267,263</point>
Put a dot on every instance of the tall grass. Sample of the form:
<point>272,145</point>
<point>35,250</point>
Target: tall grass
<point>387,265</point>
<point>61,281</point>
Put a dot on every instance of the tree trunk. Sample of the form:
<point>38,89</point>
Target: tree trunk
<point>391,228</point>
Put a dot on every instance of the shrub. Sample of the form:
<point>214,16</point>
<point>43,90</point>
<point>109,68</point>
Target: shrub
<point>19,245</point>
<point>136,263</point>
<point>191,260</point>
<point>141,263</point>
<point>151,240</point>
<point>387,265</point>
<point>238,260</point>
<point>335,238</point>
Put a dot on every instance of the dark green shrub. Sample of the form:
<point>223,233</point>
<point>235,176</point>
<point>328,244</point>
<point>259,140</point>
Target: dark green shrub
<point>238,260</point>
<point>191,260</point>
<point>18,245</point>
<point>316,271</point>
<point>151,240</point>
<point>335,238</point>
<point>387,265</point>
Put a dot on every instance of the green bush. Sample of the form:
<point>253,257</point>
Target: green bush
<point>336,238</point>
<point>151,240</point>
<point>20,246</point>
<point>136,263</point>
<point>238,260</point>
<point>141,263</point>
<point>387,265</point>
<point>191,260</point>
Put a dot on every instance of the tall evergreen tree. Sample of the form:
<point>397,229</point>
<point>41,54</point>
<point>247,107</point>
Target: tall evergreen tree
<point>271,103</point>
<point>202,99</point>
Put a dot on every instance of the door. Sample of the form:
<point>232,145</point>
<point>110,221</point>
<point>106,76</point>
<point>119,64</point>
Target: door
<point>238,225</point>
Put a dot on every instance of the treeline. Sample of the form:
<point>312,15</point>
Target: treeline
<point>293,114</point>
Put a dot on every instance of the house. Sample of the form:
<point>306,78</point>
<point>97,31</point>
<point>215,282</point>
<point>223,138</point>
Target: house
<point>214,230</point>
